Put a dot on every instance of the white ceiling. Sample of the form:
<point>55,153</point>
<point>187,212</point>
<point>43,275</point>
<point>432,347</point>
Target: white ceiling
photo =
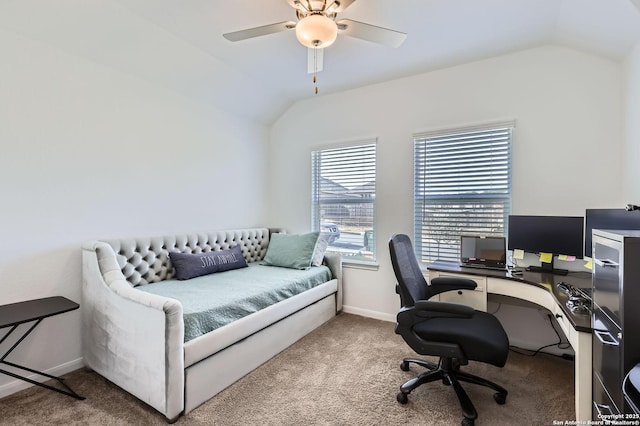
<point>178,44</point>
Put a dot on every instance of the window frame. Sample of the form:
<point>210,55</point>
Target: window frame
<point>369,146</point>
<point>455,190</point>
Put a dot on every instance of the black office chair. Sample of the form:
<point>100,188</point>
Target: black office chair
<point>453,332</point>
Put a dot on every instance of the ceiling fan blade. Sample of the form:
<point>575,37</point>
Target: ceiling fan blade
<point>259,31</point>
<point>314,60</point>
<point>371,33</point>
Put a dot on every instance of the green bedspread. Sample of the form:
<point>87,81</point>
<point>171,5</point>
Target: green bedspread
<point>211,301</point>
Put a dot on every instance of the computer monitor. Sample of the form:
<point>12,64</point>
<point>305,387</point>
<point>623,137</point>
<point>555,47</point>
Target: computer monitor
<point>608,219</point>
<point>482,251</point>
<point>547,234</point>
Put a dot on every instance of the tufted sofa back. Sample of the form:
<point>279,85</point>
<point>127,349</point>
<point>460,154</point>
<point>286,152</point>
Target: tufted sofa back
<point>146,260</point>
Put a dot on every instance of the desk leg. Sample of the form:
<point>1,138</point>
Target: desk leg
<point>583,376</point>
<point>68,390</point>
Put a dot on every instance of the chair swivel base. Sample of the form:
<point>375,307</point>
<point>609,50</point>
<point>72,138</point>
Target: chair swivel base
<point>451,375</point>
<point>404,366</point>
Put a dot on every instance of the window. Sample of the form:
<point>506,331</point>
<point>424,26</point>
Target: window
<point>462,186</point>
<point>343,198</point>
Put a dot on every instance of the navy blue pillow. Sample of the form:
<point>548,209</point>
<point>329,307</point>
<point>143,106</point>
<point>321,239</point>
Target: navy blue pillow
<point>191,265</point>
<point>229,259</point>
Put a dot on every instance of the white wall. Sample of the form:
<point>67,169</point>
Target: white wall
<point>567,147</point>
<point>632,126</point>
<point>87,152</point>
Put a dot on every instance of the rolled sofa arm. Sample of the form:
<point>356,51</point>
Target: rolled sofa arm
<point>334,262</point>
<point>134,339</point>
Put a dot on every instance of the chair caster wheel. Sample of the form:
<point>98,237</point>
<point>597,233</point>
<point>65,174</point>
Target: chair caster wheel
<point>402,398</point>
<point>404,366</point>
<point>468,422</point>
<point>500,398</point>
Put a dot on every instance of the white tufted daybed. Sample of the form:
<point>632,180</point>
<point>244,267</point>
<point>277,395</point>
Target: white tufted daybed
<point>136,339</point>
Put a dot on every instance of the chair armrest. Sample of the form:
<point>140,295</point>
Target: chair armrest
<point>454,309</point>
<point>442,284</point>
<point>426,309</point>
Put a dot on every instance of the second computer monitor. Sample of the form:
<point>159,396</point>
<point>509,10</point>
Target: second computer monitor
<point>547,234</point>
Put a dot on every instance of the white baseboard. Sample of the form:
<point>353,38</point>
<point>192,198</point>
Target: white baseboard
<point>369,314</point>
<point>18,385</point>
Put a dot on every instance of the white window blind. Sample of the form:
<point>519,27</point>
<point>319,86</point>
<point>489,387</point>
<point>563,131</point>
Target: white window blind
<point>343,198</point>
<point>462,186</point>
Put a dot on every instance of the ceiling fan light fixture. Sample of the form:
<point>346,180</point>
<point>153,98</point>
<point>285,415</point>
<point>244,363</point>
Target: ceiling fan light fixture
<point>316,30</point>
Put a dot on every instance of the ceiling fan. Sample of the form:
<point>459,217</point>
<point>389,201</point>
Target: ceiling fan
<point>317,28</point>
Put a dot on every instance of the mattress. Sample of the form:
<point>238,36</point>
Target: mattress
<point>212,301</point>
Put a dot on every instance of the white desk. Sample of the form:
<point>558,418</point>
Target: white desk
<point>540,289</point>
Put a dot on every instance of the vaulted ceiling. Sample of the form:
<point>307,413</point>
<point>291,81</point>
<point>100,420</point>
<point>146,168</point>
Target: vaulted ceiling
<point>178,44</point>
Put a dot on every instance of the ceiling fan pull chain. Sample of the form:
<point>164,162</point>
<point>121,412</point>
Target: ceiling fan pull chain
<point>315,69</point>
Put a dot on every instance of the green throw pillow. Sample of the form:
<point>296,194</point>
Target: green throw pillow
<point>293,251</point>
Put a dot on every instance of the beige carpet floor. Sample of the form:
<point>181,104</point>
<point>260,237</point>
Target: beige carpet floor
<point>344,373</point>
